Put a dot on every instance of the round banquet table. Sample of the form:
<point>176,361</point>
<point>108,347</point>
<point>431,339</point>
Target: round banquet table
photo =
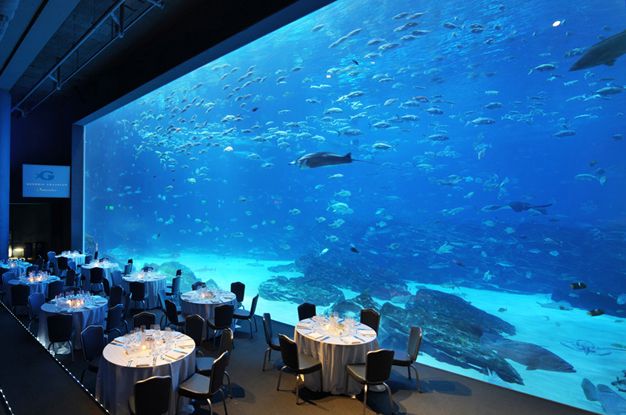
<point>108,268</point>
<point>204,302</point>
<point>35,287</point>
<point>154,281</point>
<point>120,368</point>
<point>19,267</point>
<point>334,351</point>
<point>93,314</point>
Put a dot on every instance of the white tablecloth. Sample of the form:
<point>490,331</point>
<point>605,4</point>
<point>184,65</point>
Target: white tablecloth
<point>35,287</point>
<point>83,317</point>
<point>155,282</point>
<point>108,268</point>
<point>334,352</point>
<point>116,378</point>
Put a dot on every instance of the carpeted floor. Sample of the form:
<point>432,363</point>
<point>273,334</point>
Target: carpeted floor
<point>254,391</point>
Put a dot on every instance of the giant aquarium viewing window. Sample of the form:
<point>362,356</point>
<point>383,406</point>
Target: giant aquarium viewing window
<point>479,190</point>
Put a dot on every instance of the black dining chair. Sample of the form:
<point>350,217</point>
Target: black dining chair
<point>174,289</point>
<point>297,363</point>
<point>248,315</point>
<point>35,301</point>
<point>138,292</point>
<point>172,316</point>
<point>204,365</point>
<point>88,259</point>
<point>116,296</point>
<point>92,339</point>
<point>151,396</point>
<point>145,319</point>
<point>270,339</point>
<point>116,325</point>
<point>197,285</point>
<point>128,267</point>
<point>306,310</point>
<point>202,387</point>
<point>60,331</point>
<point>223,319</point>
<point>375,371</point>
<point>19,299</point>
<point>106,287</point>
<point>239,289</point>
<point>194,328</point>
<point>70,279</point>
<point>63,265</point>
<point>55,288</point>
<point>96,275</point>
<point>370,318</point>
<point>407,359</point>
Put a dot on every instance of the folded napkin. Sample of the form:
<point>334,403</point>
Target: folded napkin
<point>316,335</point>
<point>351,340</point>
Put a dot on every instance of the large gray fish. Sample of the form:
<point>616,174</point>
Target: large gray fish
<point>604,52</point>
<point>320,159</point>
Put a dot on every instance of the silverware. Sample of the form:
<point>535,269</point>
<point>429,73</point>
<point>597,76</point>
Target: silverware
<point>130,362</point>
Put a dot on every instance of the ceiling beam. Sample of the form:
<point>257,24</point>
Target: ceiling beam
<point>50,19</point>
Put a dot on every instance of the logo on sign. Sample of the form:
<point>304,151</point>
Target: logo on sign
<point>45,175</point>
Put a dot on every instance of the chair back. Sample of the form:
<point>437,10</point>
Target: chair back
<point>306,310</point>
<point>217,372</point>
<point>147,268</point>
<point>115,296</point>
<point>152,395</point>
<point>370,318</point>
<point>144,319</point>
<point>55,288</point>
<point>62,263</point>
<point>106,286</point>
<point>19,295</point>
<point>52,262</point>
<point>378,365</point>
<point>194,326</point>
<point>32,268</point>
<point>255,300</point>
<point>51,256</point>
<point>92,339</point>
<point>170,311</point>
<point>88,259</point>
<point>176,285</point>
<point>35,301</point>
<point>60,327</point>
<point>115,317</point>
<point>198,284</point>
<point>128,268</point>
<point>70,278</point>
<point>96,275</point>
<point>239,289</point>
<point>224,316</point>
<point>226,341</point>
<point>8,276</point>
<point>162,297</point>
<point>267,328</point>
<point>289,352</point>
<point>137,290</point>
<point>415,341</point>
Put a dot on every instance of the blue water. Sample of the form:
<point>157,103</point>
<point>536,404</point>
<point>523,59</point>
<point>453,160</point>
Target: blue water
<point>201,165</point>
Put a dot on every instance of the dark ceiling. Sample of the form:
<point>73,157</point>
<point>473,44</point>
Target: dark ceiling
<point>164,34</point>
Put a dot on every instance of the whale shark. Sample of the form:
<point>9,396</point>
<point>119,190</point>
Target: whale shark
<point>604,52</point>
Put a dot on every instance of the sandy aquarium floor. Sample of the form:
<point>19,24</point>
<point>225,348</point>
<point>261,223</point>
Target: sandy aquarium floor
<point>556,330</point>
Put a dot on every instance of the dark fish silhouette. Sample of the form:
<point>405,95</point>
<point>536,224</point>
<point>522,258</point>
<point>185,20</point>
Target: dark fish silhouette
<point>520,207</point>
<point>321,159</point>
<point>604,52</point>
<point>353,249</point>
<point>595,312</point>
<point>578,285</point>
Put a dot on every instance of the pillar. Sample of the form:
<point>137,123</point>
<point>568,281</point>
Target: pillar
<point>5,170</point>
